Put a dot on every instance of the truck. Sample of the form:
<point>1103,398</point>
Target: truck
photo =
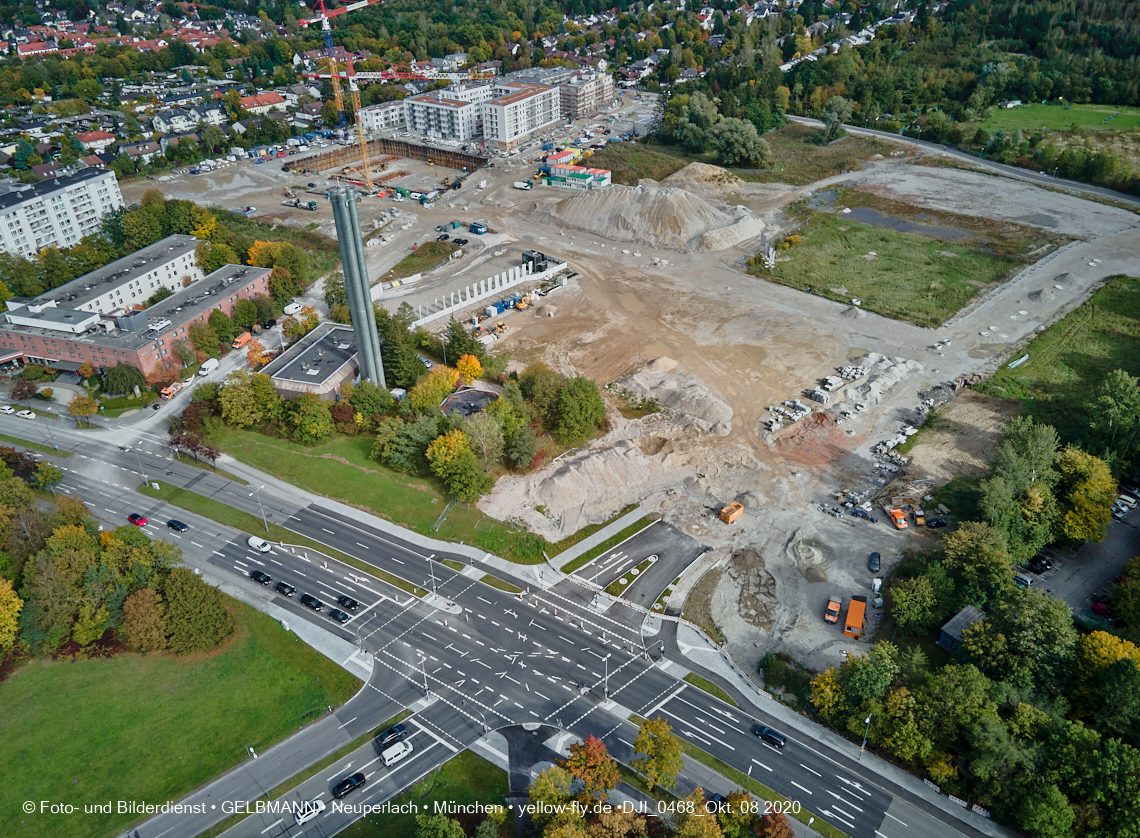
<point>898,518</point>
<point>169,390</point>
<point>478,228</point>
<point>299,204</point>
<point>521,184</point>
<point>856,612</point>
<point>242,339</point>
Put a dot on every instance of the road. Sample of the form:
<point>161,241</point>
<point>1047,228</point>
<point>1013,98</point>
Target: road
<point>470,658</point>
<point>1038,178</point>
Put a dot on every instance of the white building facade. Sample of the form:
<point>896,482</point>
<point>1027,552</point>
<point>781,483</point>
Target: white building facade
<point>435,115</point>
<point>56,212</point>
<point>518,113</point>
<point>384,116</point>
<point>586,94</point>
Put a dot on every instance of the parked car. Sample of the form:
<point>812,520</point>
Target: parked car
<point>7,409</point>
<point>349,783</point>
<point>392,735</point>
<point>347,602</point>
<point>259,544</point>
<point>1039,564</point>
<point>936,523</point>
<point>310,601</point>
<point>770,736</point>
<point>1101,608</point>
<point>176,525</point>
<point>285,589</point>
<point>136,519</point>
<point>874,563</point>
<point>260,577</point>
<point>831,614</point>
<point>26,414</point>
<point>1022,581</point>
<point>338,615</point>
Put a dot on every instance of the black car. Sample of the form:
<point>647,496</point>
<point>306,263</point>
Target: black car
<point>310,601</point>
<point>260,577</point>
<point>285,589</point>
<point>338,615</point>
<point>1039,564</point>
<point>176,525</point>
<point>392,735</point>
<point>936,523</point>
<point>347,602</point>
<point>352,781</point>
<point>770,736</point>
<point>873,563</point>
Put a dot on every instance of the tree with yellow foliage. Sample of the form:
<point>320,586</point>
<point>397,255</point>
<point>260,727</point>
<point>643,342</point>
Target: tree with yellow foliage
<point>1099,650</point>
<point>469,367</point>
<point>10,607</point>
<point>257,355</point>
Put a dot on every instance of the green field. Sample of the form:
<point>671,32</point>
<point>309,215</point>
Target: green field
<point>151,728</point>
<point>629,162</point>
<point>1069,359</point>
<point>911,277</point>
<point>464,779</point>
<point>799,161</point>
<point>424,257</point>
<point>1055,117</point>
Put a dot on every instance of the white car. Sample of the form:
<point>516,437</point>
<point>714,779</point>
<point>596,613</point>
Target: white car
<point>259,544</point>
<point>292,308</point>
<point>7,409</point>
<point>26,414</point>
<point>309,811</point>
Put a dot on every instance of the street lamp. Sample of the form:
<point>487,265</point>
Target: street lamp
<point>423,668</point>
<point>865,732</point>
<point>257,492</point>
<point>606,683</point>
<point>138,460</point>
<point>264,788</point>
<point>810,822</point>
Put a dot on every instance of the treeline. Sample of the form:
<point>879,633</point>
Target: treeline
<point>69,588</point>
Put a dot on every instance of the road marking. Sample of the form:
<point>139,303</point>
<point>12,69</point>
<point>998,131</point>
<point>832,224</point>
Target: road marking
<point>842,800</point>
<point>540,695</point>
<point>358,544</point>
<point>833,815</point>
<point>397,561</point>
<point>196,544</point>
<point>346,724</point>
<point>816,773</point>
<point>275,823</point>
<point>892,817</point>
<point>762,765</point>
<point>481,599</point>
<point>801,788</point>
<point>330,532</point>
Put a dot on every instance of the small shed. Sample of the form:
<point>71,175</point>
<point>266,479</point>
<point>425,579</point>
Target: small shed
<point>951,638</point>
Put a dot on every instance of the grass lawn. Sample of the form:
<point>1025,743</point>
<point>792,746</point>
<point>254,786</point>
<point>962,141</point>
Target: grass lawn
<point>709,687</point>
<point>911,277</point>
<point>612,541</point>
<point>496,582</point>
<point>424,257</point>
<point>151,728</point>
<point>629,162</point>
<point>35,446</point>
<point>1069,360</point>
<point>798,161</point>
<point>465,779</point>
<point>1054,117</point>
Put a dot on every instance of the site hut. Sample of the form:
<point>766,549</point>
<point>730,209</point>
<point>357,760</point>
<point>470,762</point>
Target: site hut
<point>67,338</point>
<point>951,637</point>
<point>318,363</point>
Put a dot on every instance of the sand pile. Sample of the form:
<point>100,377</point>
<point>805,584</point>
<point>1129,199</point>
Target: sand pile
<point>701,177</point>
<point>883,374</point>
<point>1045,295</point>
<point>681,393</point>
<point>654,216</point>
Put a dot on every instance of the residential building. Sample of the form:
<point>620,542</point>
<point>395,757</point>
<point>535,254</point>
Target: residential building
<point>585,94</point>
<point>384,116</point>
<point>68,338</point>
<point>177,121</point>
<point>94,141</point>
<point>549,76</point>
<point>263,102</point>
<point>142,152</point>
<point>57,212</point>
<point>518,113</point>
<point>435,114</point>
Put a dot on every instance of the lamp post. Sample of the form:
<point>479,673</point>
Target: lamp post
<point>606,683</point>
<point>253,754</point>
<point>423,668</point>
<point>257,492</point>
<point>810,822</point>
<point>138,460</point>
<point>865,732</point>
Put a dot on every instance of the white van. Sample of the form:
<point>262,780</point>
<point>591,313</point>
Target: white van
<point>397,752</point>
<point>208,367</point>
<point>292,308</point>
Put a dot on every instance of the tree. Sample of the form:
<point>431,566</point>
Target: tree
<point>617,823</point>
<point>457,341</point>
<point>590,763</point>
<point>1116,413</point>
<point>309,419</point>
<point>437,826</point>
<point>913,604</point>
<point>222,325</point>
<point>123,378</point>
<point>245,314</point>
<point>773,825</point>
<point>977,554</point>
<point>205,339</point>
<point>370,399</point>
<point>22,390</point>
<point>692,820</point>
<point>738,144</point>
<point>197,619</point>
<point>257,355</point>
<point>335,292</point>
<point>580,410</point>
<point>144,621</point>
<point>428,394</point>
<point>85,371</point>
<point>82,407</point>
<point>1045,813</point>
<point>286,256</point>
<point>661,750</point>
<point>210,256</point>
<point>47,475</point>
<point>550,793</point>
<point>10,608</point>
<point>238,401</point>
<point>835,113</point>
<point>469,367</point>
<point>1086,491</point>
<point>485,437</point>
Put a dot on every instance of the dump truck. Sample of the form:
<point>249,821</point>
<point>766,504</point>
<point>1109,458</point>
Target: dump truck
<point>731,512</point>
<point>299,204</point>
<point>169,390</point>
<point>856,612</point>
<point>241,340</point>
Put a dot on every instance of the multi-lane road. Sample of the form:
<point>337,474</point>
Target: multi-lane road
<point>469,658</point>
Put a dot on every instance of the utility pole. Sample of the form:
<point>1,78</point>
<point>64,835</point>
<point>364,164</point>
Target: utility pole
<point>264,520</point>
<point>865,732</point>
<point>138,459</point>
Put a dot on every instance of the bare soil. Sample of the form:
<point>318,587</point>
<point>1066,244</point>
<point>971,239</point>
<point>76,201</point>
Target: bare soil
<point>960,441</point>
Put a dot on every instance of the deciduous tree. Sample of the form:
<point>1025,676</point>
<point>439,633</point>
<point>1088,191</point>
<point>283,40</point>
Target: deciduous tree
<point>123,378</point>
<point>257,355</point>
<point>309,419</point>
<point>590,762</point>
<point>661,753</point>
<point>47,475</point>
<point>580,410</point>
<point>437,826</point>
<point>82,407</point>
<point>773,825</point>
<point>197,619</point>
<point>485,437</point>
<point>10,608</point>
<point>469,367</point>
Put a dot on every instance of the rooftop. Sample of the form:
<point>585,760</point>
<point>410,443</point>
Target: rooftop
<point>467,401</point>
<point>79,292</point>
<point>317,357</point>
<point>17,196</point>
<point>521,92</point>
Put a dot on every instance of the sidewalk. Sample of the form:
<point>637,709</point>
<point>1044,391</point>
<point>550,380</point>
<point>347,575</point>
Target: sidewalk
<point>608,531</point>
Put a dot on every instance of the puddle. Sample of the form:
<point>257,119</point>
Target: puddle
<point>824,200</point>
<point>867,215</point>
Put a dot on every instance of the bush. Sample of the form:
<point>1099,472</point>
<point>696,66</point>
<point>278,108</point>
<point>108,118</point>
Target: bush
<point>197,619</point>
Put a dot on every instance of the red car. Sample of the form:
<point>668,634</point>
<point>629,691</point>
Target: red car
<point>1101,608</point>
<point>136,519</point>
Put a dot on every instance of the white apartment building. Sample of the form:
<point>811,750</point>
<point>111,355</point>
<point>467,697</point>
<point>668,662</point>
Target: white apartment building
<point>585,94</point>
<point>168,263</point>
<point>383,116</point>
<point>56,212</point>
<point>518,113</point>
<point>435,114</point>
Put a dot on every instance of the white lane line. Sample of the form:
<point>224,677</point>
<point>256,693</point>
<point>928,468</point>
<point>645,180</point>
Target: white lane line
<point>275,823</point>
<point>833,815</point>
<point>397,561</point>
<point>844,801</point>
<point>816,773</point>
<point>330,532</point>
<point>801,788</point>
<point>762,765</point>
<point>892,817</point>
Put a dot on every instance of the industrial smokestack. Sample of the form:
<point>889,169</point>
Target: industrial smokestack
<point>356,285</point>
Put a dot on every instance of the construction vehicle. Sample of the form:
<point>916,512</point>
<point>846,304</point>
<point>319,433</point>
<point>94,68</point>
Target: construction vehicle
<point>856,613</point>
<point>731,512</point>
<point>522,184</point>
<point>241,340</point>
<point>299,204</point>
<point>447,181</point>
<point>289,193</point>
<point>898,518</point>
<point>169,390</point>
<point>831,614</point>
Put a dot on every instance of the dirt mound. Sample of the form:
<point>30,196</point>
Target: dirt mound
<point>682,393</point>
<point>756,601</point>
<point>701,177</point>
<point>653,216</point>
<point>853,313</point>
<point>1045,295</point>
<point>1065,279</point>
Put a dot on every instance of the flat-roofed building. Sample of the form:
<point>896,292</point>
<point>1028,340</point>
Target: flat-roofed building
<point>435,114</point>
<point>518,113</point>
<point>56,212</point>
<point>585,94</point>
<point>386,115</point>
<point>318,363</point>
